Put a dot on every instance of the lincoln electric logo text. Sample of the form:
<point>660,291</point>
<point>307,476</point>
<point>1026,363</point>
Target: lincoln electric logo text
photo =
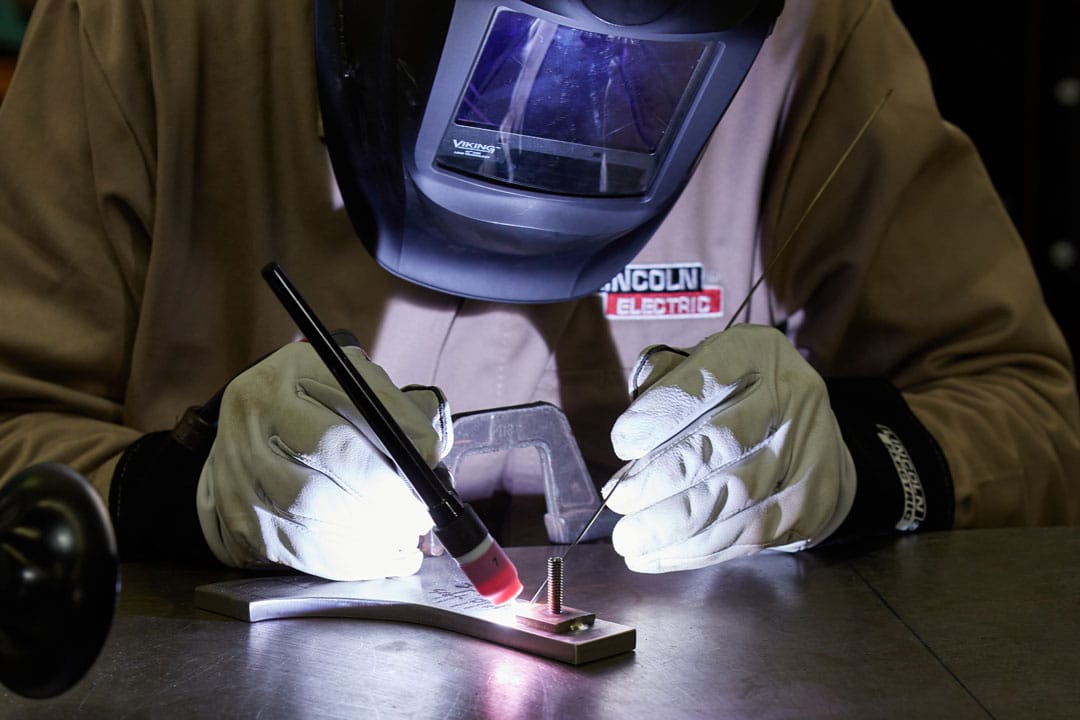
<point>473,149</point>
<point>643,292</point>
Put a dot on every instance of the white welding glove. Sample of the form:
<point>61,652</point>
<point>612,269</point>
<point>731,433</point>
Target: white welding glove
<point>733,449</point>
<point>296,477</point>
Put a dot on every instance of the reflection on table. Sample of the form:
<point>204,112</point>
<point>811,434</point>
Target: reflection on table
<point>965,624</point>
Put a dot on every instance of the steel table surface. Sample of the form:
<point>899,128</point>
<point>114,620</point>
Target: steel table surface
<point>969,624</point>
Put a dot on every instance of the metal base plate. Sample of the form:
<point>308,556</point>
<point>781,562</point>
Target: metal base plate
<point>438,596</point>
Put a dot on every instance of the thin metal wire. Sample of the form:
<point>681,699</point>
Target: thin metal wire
<point>779,251</point>
<point>580,535</point>
<point>809,207</point>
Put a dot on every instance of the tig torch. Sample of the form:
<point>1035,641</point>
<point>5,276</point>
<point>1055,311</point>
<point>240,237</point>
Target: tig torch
<point>457,526</point>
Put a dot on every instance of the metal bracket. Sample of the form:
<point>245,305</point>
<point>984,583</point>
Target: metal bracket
<point>438,596</point>
<point>568,489</point>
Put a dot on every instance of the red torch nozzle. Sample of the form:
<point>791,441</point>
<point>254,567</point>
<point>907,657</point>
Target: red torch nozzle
<point>491,572</point>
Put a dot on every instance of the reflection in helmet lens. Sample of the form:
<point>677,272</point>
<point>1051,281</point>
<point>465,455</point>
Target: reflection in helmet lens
<point>564,110</point>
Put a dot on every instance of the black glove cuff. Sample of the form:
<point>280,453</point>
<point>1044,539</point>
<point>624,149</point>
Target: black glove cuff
<point>152,496</point>
<point>904,484</point>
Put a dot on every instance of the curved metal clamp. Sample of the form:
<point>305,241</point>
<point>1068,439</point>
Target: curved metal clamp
<point>568,489</point>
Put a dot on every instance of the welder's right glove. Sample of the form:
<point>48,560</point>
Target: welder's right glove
<point>296,477</point>
<point>738,445</point>
<point>733,449</point>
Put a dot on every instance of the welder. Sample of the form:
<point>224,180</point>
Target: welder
<point>505,202</point>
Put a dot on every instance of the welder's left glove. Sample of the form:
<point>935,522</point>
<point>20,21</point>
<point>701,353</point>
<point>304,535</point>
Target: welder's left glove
<point>296,477</point>
<point>733,448</point>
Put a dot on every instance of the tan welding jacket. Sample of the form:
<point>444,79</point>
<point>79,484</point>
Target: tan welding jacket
<point>154,154</point>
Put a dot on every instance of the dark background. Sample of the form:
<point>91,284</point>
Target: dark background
<point>1008,73</point>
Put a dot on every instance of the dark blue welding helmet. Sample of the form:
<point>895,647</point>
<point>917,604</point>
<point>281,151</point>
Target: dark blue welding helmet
<point>523,151</point>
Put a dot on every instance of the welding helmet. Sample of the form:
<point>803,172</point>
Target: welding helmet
<point>523,151</point>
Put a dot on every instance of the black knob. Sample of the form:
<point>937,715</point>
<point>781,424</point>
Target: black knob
<point>59,579</point>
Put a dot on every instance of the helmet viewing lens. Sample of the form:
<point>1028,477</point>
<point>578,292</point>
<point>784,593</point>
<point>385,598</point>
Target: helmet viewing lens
<point>563,110</point>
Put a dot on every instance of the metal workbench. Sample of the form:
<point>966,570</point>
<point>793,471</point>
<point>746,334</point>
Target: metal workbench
<point>969,624</point>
